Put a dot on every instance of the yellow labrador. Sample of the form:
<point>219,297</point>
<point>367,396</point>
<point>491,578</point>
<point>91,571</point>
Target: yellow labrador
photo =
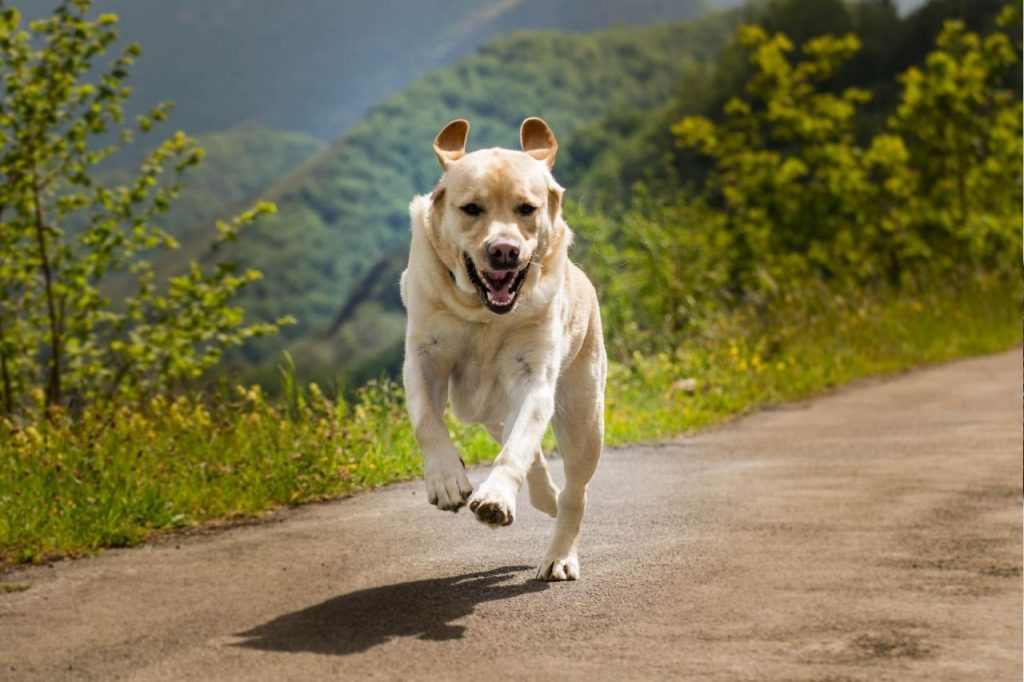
<point>503,324</point>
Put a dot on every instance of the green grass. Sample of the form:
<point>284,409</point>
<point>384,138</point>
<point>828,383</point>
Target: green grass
<point>812,344</point>
<point>113,476</point>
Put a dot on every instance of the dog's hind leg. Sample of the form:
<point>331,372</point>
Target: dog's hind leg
<point>578,423</point>
<point>543,491</point>
<point>580,446</point>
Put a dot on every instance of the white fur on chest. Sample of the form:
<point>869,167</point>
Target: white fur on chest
<point>491,365</point>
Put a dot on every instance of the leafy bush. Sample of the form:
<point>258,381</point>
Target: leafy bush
<point>891,43</point>
<point>940,188</point>
<point>660,270</point>
<point>63,235</point>
<point>960,129</point>
<point>792,200</point>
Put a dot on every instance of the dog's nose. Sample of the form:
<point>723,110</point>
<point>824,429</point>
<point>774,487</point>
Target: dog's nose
<point>503,254</point>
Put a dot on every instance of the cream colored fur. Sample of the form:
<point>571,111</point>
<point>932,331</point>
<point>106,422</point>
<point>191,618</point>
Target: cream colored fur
<point>543,362</point>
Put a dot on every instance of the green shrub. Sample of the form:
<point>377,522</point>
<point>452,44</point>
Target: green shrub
<point>63,235</point>
<point>940,189</point>
<point>793,201</point>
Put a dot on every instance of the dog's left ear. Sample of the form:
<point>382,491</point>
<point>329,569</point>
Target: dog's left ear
<point>450,143</point>
<point>538,141</point>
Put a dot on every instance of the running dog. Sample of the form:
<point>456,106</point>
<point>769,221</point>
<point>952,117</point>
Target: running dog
<point>507,328</point>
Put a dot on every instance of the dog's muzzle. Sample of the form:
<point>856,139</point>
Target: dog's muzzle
<point>498,289</point>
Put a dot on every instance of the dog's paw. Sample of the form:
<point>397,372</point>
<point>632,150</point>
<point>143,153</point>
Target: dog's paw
<point>448,487</point>
<point>559,568</point>
<point>494,504</point>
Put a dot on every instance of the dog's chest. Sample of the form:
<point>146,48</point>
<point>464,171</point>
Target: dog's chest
<point>486,375</point>
<point>477,386</point>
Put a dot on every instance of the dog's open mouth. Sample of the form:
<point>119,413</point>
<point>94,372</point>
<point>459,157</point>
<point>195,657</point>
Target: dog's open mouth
<point>497,289</point>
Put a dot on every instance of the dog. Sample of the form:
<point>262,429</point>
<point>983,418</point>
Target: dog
<point>505,326</point>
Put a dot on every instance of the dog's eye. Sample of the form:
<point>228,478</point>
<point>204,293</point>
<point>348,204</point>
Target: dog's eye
<point>525,209</point>
<point>471,209</point>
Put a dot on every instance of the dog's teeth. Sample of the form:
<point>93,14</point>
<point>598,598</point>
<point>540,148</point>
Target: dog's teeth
<point>500,298</point>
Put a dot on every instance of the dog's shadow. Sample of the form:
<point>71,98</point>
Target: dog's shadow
<point>357,621</point>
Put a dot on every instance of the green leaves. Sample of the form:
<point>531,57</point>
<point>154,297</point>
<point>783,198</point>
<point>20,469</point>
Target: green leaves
<point>790,193</point>
<point>64,236</point>
<point>803,198</point>
<point>785,170</point>
<point>963,135</point>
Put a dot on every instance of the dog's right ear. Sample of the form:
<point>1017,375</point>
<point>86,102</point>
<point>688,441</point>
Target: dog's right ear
<point>538,141</point>
<point>450,143</point>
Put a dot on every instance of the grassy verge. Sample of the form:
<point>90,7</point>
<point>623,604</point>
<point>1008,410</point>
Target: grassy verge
<point>813,344</point>
<point>111,477</point>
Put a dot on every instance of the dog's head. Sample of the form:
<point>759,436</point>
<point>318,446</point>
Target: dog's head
<point>496,212</point>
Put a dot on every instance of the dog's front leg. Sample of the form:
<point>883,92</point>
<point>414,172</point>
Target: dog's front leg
<point>426,393</point>
<point>494,502</point>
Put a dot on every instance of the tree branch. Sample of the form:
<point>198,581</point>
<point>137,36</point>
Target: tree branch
<point>54,384</point>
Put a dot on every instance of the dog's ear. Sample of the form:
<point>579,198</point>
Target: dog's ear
<point>450,143</point>
<point>538,141</point>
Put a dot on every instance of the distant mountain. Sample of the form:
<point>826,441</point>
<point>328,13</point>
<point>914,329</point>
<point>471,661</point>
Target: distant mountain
<point>318,66</point>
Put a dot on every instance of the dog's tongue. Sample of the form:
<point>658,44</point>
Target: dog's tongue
<point>498,286</point>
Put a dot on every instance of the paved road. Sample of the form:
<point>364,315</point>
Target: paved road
<point>871,534</point>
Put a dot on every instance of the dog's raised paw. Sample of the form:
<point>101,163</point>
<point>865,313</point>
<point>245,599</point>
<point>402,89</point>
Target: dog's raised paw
<point>493,506</point>
<point>559,568</point>
<point>492,513</point>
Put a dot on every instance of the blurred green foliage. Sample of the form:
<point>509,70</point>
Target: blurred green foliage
<point>626,149</point>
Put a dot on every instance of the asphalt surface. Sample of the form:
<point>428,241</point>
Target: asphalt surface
<point>871,534</point>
